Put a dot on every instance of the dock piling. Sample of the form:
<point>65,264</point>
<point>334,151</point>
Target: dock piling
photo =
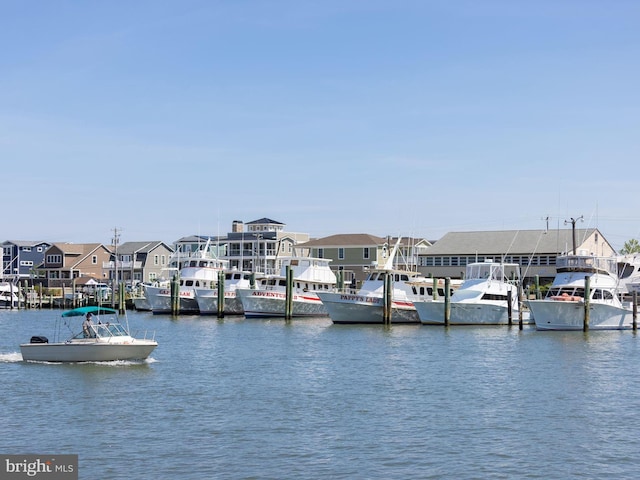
<point>447,301</point>
<point>587,303</point>
<point>220,294</point>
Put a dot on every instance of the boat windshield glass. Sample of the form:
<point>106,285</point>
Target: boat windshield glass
<point>110,330</point>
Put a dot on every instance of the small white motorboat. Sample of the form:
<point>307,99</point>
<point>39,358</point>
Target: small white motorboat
<point>100,340</point>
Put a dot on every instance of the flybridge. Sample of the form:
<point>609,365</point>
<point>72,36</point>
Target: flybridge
<point>587,264</point>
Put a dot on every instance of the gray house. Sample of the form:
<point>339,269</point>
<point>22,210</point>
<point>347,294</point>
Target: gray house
<point>253,246</point>
<point>534,250</point>
<point>135,262</point>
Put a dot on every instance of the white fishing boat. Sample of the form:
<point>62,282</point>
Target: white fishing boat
<point>101,339</point>
<point>563,308</point>
<point>366,304</point>
<point>629,273</point>
<point>207,297</point>
<point>199,270</point>
<point>310,277</point>
<point>9,295</point>
<point>482,299</point>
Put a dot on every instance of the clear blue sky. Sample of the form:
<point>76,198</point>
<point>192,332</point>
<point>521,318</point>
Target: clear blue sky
<point>389,117</point>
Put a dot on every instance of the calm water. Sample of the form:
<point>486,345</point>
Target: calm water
<point>238,399</point>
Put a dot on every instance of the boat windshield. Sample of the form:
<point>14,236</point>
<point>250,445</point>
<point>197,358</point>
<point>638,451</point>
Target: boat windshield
<point>102,330</point>
<point>110,330</point>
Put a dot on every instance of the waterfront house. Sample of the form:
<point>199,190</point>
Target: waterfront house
<point>65,261</point>
<point>356,253</point>
<point>21,259</point>
<point>135,262</point>
<point>253,246</point>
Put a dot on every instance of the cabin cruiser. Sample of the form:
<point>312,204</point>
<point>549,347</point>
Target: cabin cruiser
<point>101,338</point>
<point>311,276</point>
<point>196,271</point>
<point>207,297</point>
<point>563,308</point>
<point>482,299</point>
<point>366,304</point>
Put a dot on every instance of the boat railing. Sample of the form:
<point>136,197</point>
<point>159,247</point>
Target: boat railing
<point>587,264</point>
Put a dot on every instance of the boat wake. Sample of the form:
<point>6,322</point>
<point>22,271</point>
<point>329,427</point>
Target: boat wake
<point>10,357</point>
<point>17,357</point>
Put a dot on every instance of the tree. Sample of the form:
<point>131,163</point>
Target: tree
<point>630,246</point>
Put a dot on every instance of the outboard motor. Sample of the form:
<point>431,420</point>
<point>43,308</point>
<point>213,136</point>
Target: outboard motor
<point>39,339</point>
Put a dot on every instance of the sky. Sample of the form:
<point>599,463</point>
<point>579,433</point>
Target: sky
<point>164,119</point>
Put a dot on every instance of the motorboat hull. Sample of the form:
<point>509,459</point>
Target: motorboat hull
<point>354,308</point>
<point>160,300</point>
<point>208,302</point>
<point>569,315</point>
<point>142,304</point>
<point>267,303</point>
<point>468,313</point>
<point>87,351</point>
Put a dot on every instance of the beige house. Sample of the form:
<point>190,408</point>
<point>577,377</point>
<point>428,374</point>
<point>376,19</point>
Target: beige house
<point>534,250</point>
<point>65,261</point>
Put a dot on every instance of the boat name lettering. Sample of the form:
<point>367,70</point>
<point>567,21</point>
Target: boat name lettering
<point>359,298</point>
<point>267,294</point>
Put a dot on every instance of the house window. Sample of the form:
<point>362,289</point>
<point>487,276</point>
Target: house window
<point>365,253</point>
<point>321,253</point>
<point>26,263</point>
<point>163,259</point>
<point>155,259</point>
<point>341,253</point>
<point>54,258</point>
<point>39,249</point>
<point>25,249</point>
<point>94,259</point>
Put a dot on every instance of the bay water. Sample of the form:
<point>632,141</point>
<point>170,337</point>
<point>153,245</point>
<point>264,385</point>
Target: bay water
<point>235,398</point>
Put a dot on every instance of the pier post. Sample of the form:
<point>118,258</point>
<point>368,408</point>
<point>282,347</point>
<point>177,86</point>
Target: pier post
<point>252,280</point>
<point>288,301</point>
<point>340,280</point>
<point>175,296</point>
<point>122,304</point>
<point>387,298</point>
<point>635,311</point>
<point>537,287</point>
<point>220,293</point>
<point>509,307</point>
<point>587,302</point>
<point>447,301</point>
<point>27,297</point>
<point>520,304</point>
<point>74,301</point>
<point>434,293</point>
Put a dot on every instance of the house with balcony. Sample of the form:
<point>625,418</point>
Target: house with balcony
<point>254,246</point>
<point>21,259</point>
<point>64,262</point>
<point>136,262</point>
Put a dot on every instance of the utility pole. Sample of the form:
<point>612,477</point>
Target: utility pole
<point>573,228</point>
